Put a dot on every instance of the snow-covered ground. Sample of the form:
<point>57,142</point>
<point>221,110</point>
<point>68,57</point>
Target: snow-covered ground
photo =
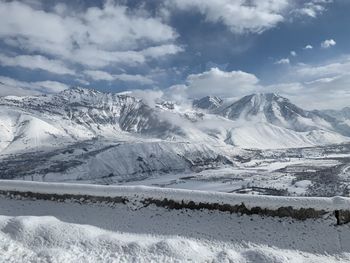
<point>35,230</point>
<point>47,239</point>
<point>50,231</point>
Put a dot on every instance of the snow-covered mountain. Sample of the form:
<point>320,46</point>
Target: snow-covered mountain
<point>271,121</point>
<point>92,134</point>
<point>273,109</point>
<point>339,118</point>
<point>74,115</point>
<point>343,114</point>
<point>82,114</point>
<point>208,103</point>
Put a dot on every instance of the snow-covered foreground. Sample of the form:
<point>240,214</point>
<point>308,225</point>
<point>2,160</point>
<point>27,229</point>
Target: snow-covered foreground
<point>82,231</point>
<point>47,239</point>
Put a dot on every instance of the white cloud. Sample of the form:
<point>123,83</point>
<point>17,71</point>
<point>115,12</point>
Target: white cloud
<point>162,50</point>
<point>293,53</point>
<point>134,78</point>
<point>328,43</point>
<point>82,81</point>
<point>9,86</point>
<point>100,58</point>
<point>237,15</point>
<point>148,96</point>
<point>321,80</point>
<point>99,75</point>
<point>253,16</point>
<point>313,8</point>
<point>95,37</point>
<point>340,66</point>
<point>221,83</point>
<point>102,75</point>
<point>308,47</point>
<point>325,93</point>
<point>36,62</point>
<point>283,61</point>
<point>49,86</point>
<point>317,86</point>
<point>177,93</point>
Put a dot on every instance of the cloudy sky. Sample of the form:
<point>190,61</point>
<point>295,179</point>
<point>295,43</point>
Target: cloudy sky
<point>186,48</point>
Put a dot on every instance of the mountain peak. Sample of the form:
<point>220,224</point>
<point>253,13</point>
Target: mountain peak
<point>79,90</point>
<point>259,101</point>
<point>268,97</point>
<point>265,107</point>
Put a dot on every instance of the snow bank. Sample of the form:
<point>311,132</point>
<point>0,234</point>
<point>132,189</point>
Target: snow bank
<point>177,195</point>
<point>47,239</point>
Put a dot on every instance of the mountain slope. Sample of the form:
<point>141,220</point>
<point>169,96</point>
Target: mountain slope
<point>76,115</point>
<point>267,136</point>
<point>271,121</point>
<point>208,103</point>
<point>343,114</point>
<point>273,109</point>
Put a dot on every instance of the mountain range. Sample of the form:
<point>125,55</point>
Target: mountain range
<point>90,134</point>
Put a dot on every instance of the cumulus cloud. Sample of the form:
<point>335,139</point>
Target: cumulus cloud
<point>134,78</point>
<point>36,62</point>
<point>328,43</point>
<point>177,93</point>
<point>313,8</point>
<point>308,47</point>
<point>238,16</point>
<point>99,75</point>
<point>253,16</point>
<point>317,86</point>
<point>283,61</point>
<point>324,93</point>
<point>293,53</point>
<point>95,37</point>
<point>161,50</point>
<point>103,75</point>
<point>220,83</point>
<point>9,86</point>
<point>148,96</point>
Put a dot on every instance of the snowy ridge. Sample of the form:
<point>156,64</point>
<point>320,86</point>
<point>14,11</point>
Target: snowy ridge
<point>143,192</point>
